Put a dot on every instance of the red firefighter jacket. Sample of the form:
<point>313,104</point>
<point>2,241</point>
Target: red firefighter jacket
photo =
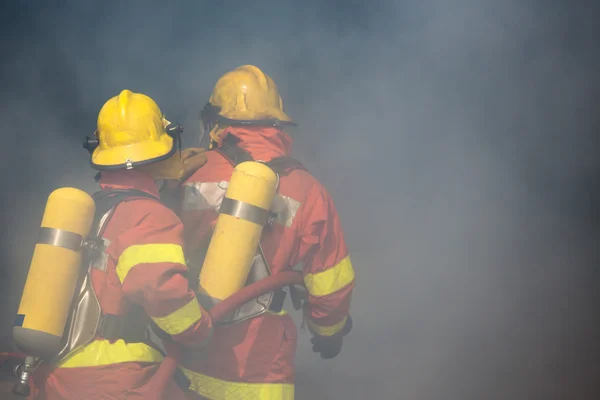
<point>145,267</point>
<point>306,230</point>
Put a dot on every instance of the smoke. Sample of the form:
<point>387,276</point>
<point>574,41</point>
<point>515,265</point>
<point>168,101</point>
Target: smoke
<point>456,138</point>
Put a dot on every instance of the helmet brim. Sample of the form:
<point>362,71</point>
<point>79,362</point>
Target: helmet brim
<point>134,154</point>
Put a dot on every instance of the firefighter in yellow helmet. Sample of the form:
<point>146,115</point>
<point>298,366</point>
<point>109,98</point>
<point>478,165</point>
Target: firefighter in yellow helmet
<point>252,353</point>
<point>139,279</point>
<point>245,96</point>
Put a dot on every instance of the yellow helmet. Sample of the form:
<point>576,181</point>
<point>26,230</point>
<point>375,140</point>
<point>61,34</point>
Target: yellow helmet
<point>245,96</point>
<point>131,132</point>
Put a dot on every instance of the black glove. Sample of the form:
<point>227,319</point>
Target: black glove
<point>330,346</point>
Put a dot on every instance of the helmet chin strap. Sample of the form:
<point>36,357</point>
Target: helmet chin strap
<point>202,130</point>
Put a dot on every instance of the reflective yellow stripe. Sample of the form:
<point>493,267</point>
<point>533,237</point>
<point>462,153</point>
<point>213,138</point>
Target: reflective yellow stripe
<point>146,254</point>
<point>102,352</point>
<point>280,313</point>
<point>217,389</point>
<point>330,280</point>
<point>181,319</point>
<point>326,330</point>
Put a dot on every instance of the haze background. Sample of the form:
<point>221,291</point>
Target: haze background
<point>457,138</point>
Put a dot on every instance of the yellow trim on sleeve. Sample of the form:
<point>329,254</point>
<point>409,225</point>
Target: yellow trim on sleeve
<point>331,280</point>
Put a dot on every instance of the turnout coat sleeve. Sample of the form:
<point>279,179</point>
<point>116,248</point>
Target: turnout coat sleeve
<point>150,266</point>
<point>326,265</point>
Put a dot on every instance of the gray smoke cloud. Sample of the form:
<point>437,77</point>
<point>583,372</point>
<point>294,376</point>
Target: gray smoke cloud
<point>454,138</point>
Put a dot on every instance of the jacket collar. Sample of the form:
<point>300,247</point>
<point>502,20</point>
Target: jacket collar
<point>263,143</point>
<point>128,179</point>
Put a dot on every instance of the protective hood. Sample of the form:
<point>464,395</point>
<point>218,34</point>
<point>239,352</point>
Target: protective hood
<point>263,143</point>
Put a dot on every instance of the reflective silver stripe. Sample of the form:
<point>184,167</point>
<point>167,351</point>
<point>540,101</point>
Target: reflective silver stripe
<point>209,195</point>
<point>203,196</point>
<point>60,238</point>
<point>242,210</point>
<point>285,209</point>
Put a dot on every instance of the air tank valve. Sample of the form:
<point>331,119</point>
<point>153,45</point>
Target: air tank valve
<point>23,373</point>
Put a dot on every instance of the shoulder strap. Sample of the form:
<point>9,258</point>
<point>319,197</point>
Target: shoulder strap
<point>232,152</point>
<point>108,199</point>
<point>284,165</point>
<point>236,155</point>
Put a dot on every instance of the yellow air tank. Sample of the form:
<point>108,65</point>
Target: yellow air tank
<point>53,273</point>
<point>242,216</point>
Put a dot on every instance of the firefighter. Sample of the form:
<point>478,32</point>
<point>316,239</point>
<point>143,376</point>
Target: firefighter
<point>252,354</point>
<point>140,279</point>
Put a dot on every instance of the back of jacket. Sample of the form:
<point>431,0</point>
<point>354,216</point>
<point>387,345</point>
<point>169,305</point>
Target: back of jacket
<point>144,268</point>
<point>306,229</point>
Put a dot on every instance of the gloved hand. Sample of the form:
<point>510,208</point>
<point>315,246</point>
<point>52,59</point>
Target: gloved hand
<point>193,158</point>
<point>330,346</point>
<point>170,189</point>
